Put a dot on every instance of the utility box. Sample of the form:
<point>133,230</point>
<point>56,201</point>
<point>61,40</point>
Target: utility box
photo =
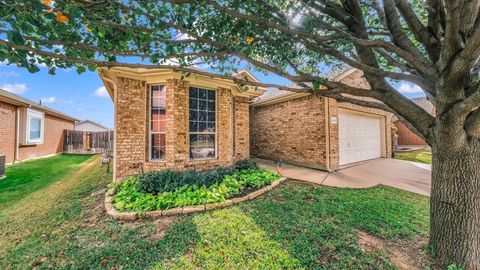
<point>2,166</point>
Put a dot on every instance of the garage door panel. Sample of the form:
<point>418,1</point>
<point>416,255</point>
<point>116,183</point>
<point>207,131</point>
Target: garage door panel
<point>359,137</point>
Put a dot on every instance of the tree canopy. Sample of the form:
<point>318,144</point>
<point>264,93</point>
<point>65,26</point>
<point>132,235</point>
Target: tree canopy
<point>387,40</point>
<point>434,44</point>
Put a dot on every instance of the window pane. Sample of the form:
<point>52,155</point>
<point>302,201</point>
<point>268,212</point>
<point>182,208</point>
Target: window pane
<point>202,120</point>
<point>193,115</point>
<point>202,146</point>
<point>202,105</point>
<point>193,126</point>
<point>211,116</point>
<point>202,126</point>
<point>193,92</point>
<point>211,126</point>
<point>35,128</point>
<point>211,106</point>
<point>158,108</point>
<point>211,95</point>
<point>202,116</point>
<point>202,94</point>
<point>193,104</point>
<point>158,146</point>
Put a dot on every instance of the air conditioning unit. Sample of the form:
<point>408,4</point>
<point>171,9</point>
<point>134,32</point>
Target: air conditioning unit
<point>2,166</point>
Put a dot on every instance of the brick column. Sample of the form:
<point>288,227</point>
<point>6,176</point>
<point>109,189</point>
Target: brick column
<point>224,125</point>
<point>130,127</point>
<point>178,127</point>
<point>334,144</point>
<point>241,128</point>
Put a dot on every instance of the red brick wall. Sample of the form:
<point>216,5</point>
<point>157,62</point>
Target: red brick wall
<point>293,131</point>
<point>7,131</point>
<point>132,142</point>
<point>52,139</point>
<point>407,137</point>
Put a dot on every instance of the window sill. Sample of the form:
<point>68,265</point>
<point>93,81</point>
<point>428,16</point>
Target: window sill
<point>30,144</point>
<point>157,161</point>
<point>202,159</point>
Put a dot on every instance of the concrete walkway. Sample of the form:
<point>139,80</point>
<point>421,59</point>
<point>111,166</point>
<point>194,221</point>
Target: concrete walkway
<point>391,172</point>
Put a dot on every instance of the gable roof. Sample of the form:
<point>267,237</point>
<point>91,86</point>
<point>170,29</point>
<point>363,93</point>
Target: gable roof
<point>425,104</point>
<point>10,98</point>
<point>92,122</point>
<point>279,95</point>
<point>111,75</point>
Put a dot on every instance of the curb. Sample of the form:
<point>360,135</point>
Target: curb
<point>131,216</point>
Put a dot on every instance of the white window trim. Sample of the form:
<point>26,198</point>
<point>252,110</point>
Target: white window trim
<point>150,132</point>
<point>203,133</point>
<point>36,114</point>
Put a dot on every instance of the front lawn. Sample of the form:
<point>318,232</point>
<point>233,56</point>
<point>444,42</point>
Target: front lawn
<point>422,156</point>
<point>295,226</point>
<point>26,177</point>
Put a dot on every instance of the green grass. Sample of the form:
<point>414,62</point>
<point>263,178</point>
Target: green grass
<point>29,176</point>
<point>295,226</point>
<point>422,156</point>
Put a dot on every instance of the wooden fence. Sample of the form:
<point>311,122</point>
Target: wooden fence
<point>75,141</point>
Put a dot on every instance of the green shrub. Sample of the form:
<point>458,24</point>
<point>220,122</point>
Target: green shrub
<point>161,181</point>
<point>171,180</point>
<point>217,175</point>
<point>245,164</point>
<point>131,197</point>
<point>192,177</point>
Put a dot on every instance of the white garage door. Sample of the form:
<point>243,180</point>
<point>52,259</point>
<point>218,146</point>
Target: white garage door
<point>359,137</point>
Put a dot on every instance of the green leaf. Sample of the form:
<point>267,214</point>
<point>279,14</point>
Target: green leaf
<point>51,71</point>
<point>315,86</point>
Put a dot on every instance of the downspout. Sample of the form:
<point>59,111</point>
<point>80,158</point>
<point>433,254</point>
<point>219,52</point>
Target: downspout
<point>114,170</point>
<point>17,137</point>
<point>327,134</point>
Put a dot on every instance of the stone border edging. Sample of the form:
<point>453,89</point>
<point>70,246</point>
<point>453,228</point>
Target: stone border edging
<point>185,210</point>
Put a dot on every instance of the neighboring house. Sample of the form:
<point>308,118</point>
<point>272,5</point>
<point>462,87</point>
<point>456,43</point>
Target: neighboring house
<point>405,135</point>
<point>318,132</point>
<point>29,130</point>
<point>89,125</point>
<point>166,119</point>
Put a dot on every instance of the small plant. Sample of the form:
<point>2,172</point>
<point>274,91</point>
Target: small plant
<point>171,180</point>
<point>246,164</point>
<point>161,181</point>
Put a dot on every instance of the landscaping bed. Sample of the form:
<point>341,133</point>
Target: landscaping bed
<point>174,192</point>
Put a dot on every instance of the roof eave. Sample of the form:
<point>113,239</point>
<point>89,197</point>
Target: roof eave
<point>23,102</point>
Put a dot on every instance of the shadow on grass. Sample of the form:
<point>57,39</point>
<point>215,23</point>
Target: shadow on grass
<point>29,176</point>
<point>70,230</point>
<point>318,225</point>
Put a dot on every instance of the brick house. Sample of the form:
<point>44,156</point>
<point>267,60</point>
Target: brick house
<point>405,135</point>
<point>318,132</point>
<point>30,130</point>
<point>165,120</point>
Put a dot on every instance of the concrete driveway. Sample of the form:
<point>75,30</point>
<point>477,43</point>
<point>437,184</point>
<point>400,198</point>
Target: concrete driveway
<point>391,172</point>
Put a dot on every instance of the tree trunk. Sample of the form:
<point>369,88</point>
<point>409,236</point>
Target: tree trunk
<point>455,202</point>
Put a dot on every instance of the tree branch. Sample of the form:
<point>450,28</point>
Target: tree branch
<point>418,29</point>
<point>399,36</point>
